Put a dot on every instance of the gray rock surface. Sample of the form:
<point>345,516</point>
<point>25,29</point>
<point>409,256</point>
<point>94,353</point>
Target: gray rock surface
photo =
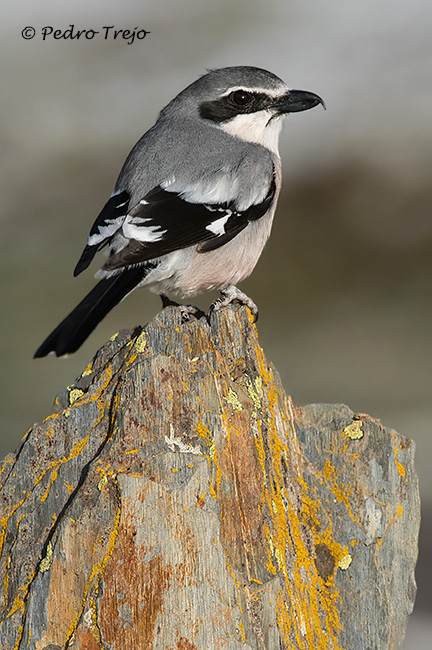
<point>179,500</point>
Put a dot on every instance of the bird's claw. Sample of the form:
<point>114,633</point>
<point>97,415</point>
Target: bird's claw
<point>229,295</point>
<point>187,311</point>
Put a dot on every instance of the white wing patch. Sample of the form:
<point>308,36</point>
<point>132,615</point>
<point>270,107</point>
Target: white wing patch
<point>104,232</point>
<point>218,227</point>
<point>222,189</point>
<point>135,228</point>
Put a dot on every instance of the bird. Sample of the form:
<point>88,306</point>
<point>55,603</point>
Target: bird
<point>194,203</point>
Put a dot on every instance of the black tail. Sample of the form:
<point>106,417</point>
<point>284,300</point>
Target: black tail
<point>75,328</point>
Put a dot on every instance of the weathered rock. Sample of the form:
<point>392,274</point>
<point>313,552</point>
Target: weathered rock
<point>179,501</point>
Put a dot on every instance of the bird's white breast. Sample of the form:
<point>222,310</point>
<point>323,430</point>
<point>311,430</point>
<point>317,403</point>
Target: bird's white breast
<point>187,272</point>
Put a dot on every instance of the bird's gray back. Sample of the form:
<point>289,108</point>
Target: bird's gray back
<point>196,153</point>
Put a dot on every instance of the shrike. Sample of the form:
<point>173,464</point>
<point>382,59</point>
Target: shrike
<point>194,203</point>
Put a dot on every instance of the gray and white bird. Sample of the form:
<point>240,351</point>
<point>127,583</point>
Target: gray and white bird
<point>194,203</point>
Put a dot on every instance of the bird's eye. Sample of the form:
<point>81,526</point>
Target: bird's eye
<point>241,97</point>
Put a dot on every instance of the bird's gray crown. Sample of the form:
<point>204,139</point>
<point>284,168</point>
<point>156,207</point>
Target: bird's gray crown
<point>221,82</point>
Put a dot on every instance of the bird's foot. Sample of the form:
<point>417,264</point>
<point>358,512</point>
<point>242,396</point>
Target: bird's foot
<point>167,302</point>
<point>228,295</point>
<point>187,311</point>
<point>190,311</point>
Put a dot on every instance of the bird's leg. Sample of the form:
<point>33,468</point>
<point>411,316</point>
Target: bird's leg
<point>167,302</point>
<point>232,293</point>
<point>186,310</point>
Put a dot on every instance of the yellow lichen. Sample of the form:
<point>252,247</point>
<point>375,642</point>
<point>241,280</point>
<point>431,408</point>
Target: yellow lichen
<point>400,467</point>
<point>204,432</point>
<point>306,610</point>
<point>19,637</point>
<point>87,371</point>
<point>256,393</point>
<point>141,342</point>
<point>354,431</point>
<point>233,400</point>
<point>242,631</point>
<point>6,582</point>
<point>75,394</point>
<point>344,562</point>
<point>51,481</point>
<point>46,562</point>
<point>340,491</point>
<point>213,461</point>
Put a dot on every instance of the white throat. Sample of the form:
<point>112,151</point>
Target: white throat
<point>261,128</point>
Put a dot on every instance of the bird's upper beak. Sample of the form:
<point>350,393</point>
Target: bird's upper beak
<point>297,100</point>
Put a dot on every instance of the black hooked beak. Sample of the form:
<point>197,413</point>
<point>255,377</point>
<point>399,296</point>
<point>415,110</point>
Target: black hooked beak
<point>298,100</point>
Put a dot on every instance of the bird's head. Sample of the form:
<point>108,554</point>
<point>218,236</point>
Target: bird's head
<point>244,101</point>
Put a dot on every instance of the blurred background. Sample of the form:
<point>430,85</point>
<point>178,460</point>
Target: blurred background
<point>344,284</point>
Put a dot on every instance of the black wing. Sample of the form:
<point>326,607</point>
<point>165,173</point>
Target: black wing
<point>104,228</point>
<point>164,222</point>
